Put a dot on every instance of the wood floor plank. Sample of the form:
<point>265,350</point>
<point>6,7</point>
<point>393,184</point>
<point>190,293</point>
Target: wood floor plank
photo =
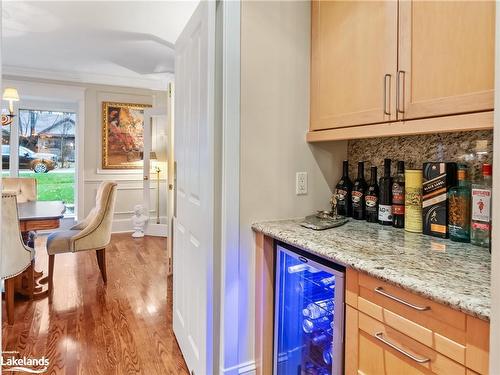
<point>92,328</point>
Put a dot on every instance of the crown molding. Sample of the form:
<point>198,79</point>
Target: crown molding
<point>159,83</point>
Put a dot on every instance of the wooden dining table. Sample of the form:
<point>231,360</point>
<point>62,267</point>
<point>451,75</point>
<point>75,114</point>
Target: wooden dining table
<point>35,216</point>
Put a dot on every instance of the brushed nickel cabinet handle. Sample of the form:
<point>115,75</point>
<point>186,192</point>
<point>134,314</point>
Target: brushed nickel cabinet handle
<point>380,336</point>
<point>400,93</point>
<point>387,111</point>
<point>381,291</point>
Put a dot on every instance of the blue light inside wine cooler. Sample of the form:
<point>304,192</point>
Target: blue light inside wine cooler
<point>305,315</point>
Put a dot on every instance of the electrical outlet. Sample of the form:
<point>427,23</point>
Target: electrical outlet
<point>301,183</point>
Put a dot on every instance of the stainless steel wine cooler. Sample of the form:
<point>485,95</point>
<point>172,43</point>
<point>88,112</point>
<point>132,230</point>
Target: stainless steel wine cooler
<point>308,314</point>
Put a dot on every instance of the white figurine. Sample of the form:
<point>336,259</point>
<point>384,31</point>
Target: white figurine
<point>138,221</point>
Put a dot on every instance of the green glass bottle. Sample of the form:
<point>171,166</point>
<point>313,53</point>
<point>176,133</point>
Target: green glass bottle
<point>459,209</point>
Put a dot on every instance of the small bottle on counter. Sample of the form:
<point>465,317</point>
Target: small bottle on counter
<point>358,194</point>
<point>343,191</point>
<point>385,195</point>
<point>371,197</point>
<point>459,207</point>
<point>481,209</point>
<point>413,200</point>
<point>398,197</point>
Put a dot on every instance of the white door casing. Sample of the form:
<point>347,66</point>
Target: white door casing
<point>193,245</point>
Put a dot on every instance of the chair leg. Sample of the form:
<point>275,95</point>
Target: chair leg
<point>51,273</point>
<point>9,298</point>
<point>101,261</point>
<point>30,274</point>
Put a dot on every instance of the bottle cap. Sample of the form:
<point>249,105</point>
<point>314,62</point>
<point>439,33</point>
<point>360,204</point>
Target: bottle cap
<point>487,169</point>
<point>462,172</point>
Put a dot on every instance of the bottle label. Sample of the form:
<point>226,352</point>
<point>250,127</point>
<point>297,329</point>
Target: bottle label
<point>398,210</point>
<point>481,205</point>
<point>356,196</point>
<point>398,194</point>
<point>384,212</point>
<point>341,194</point>
<point>371,201</point>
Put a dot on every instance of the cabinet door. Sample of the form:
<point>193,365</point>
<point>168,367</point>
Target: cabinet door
<point>446,57</point>
<point>353,63</point>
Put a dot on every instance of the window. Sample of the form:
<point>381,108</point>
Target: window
<point>47,153</point>
<point>5,150</point>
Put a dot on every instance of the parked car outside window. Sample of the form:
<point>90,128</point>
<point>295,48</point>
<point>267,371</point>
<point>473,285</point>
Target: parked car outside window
<point>28,159</point>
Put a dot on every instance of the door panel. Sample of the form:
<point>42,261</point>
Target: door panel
<point>446,57</point>
<point>193,223</point>
<point>354,46</point>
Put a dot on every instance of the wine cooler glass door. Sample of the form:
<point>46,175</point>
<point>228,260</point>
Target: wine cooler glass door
<point>309,317</point>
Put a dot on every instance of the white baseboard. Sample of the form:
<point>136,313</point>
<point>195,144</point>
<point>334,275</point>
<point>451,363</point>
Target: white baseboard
<point>245,368</point>
<point>152,229</point>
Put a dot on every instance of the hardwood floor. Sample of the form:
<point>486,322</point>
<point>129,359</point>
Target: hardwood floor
<point>124,327</point>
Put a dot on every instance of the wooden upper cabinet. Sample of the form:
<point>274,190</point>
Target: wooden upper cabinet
<point>353,63</point>
<point>446,57</point>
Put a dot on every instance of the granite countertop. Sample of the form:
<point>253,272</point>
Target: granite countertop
<point>451,273</point>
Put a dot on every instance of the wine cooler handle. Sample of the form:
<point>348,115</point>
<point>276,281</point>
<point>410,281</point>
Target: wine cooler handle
<point>400,93</point>
<point>380,336</point>
<point>381,291</point>
<point>387,111</point>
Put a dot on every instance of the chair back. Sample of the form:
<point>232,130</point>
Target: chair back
<point>24,188</point>
<point>97,230</point>
<point>15,257</point>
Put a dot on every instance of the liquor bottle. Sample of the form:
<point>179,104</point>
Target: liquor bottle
<point>301,268</point>
<point>327,355</point>
<point>459,207</point>
<point>358,194</point>
<point>413,200</point>
<point>385,195</point>
<point>343,191</point>
<point>371,197</point>
<point>398,197</point>
<point>311,325</point>
<point>481,209</point>
<point>328,281</point>
<point>319,309</point>
<point>322,337</point>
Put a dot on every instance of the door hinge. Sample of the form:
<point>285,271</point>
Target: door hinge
<point>169,90</point>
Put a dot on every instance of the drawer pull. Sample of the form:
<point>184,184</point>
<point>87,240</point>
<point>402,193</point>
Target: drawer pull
<point>380,336</point>
<point>381,291</point>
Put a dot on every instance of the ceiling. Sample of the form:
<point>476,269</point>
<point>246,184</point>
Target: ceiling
<point>110,42</point>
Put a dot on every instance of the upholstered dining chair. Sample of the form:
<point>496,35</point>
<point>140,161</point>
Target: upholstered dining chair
<point>93,233</point>
<point>15,256</point>
<point>24,188</point>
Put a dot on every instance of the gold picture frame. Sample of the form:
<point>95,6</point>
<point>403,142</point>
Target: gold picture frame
<point>122,135</point>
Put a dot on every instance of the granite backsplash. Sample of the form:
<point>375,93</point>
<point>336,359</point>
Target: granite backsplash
<point>472,148</point>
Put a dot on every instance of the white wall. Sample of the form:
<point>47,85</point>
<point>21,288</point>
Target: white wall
<point>130,183</point>
<point>275,40</point>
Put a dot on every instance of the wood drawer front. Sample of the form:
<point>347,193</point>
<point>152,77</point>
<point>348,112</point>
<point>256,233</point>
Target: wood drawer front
<point>437,317</point>
<point>377,357</point>
<point>426,336</point>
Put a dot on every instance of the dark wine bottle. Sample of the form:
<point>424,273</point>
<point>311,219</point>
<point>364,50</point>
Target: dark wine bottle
<point>398,197</point>
<point>358,194</point>
<point>343,190</point>
<point>385,195</point>
<point>371,197</point>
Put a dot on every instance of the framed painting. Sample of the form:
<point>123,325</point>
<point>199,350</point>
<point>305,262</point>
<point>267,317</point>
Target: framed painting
<point>122,135</point>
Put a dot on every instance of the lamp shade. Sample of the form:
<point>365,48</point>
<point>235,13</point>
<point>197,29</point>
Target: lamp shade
<point>152,155</point>
<point>10,94</point>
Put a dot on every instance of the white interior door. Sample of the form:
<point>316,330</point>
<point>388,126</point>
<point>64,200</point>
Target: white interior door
<point>194,220</point>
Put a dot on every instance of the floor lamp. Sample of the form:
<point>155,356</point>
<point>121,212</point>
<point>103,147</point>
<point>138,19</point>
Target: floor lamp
<point>152,156</point>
